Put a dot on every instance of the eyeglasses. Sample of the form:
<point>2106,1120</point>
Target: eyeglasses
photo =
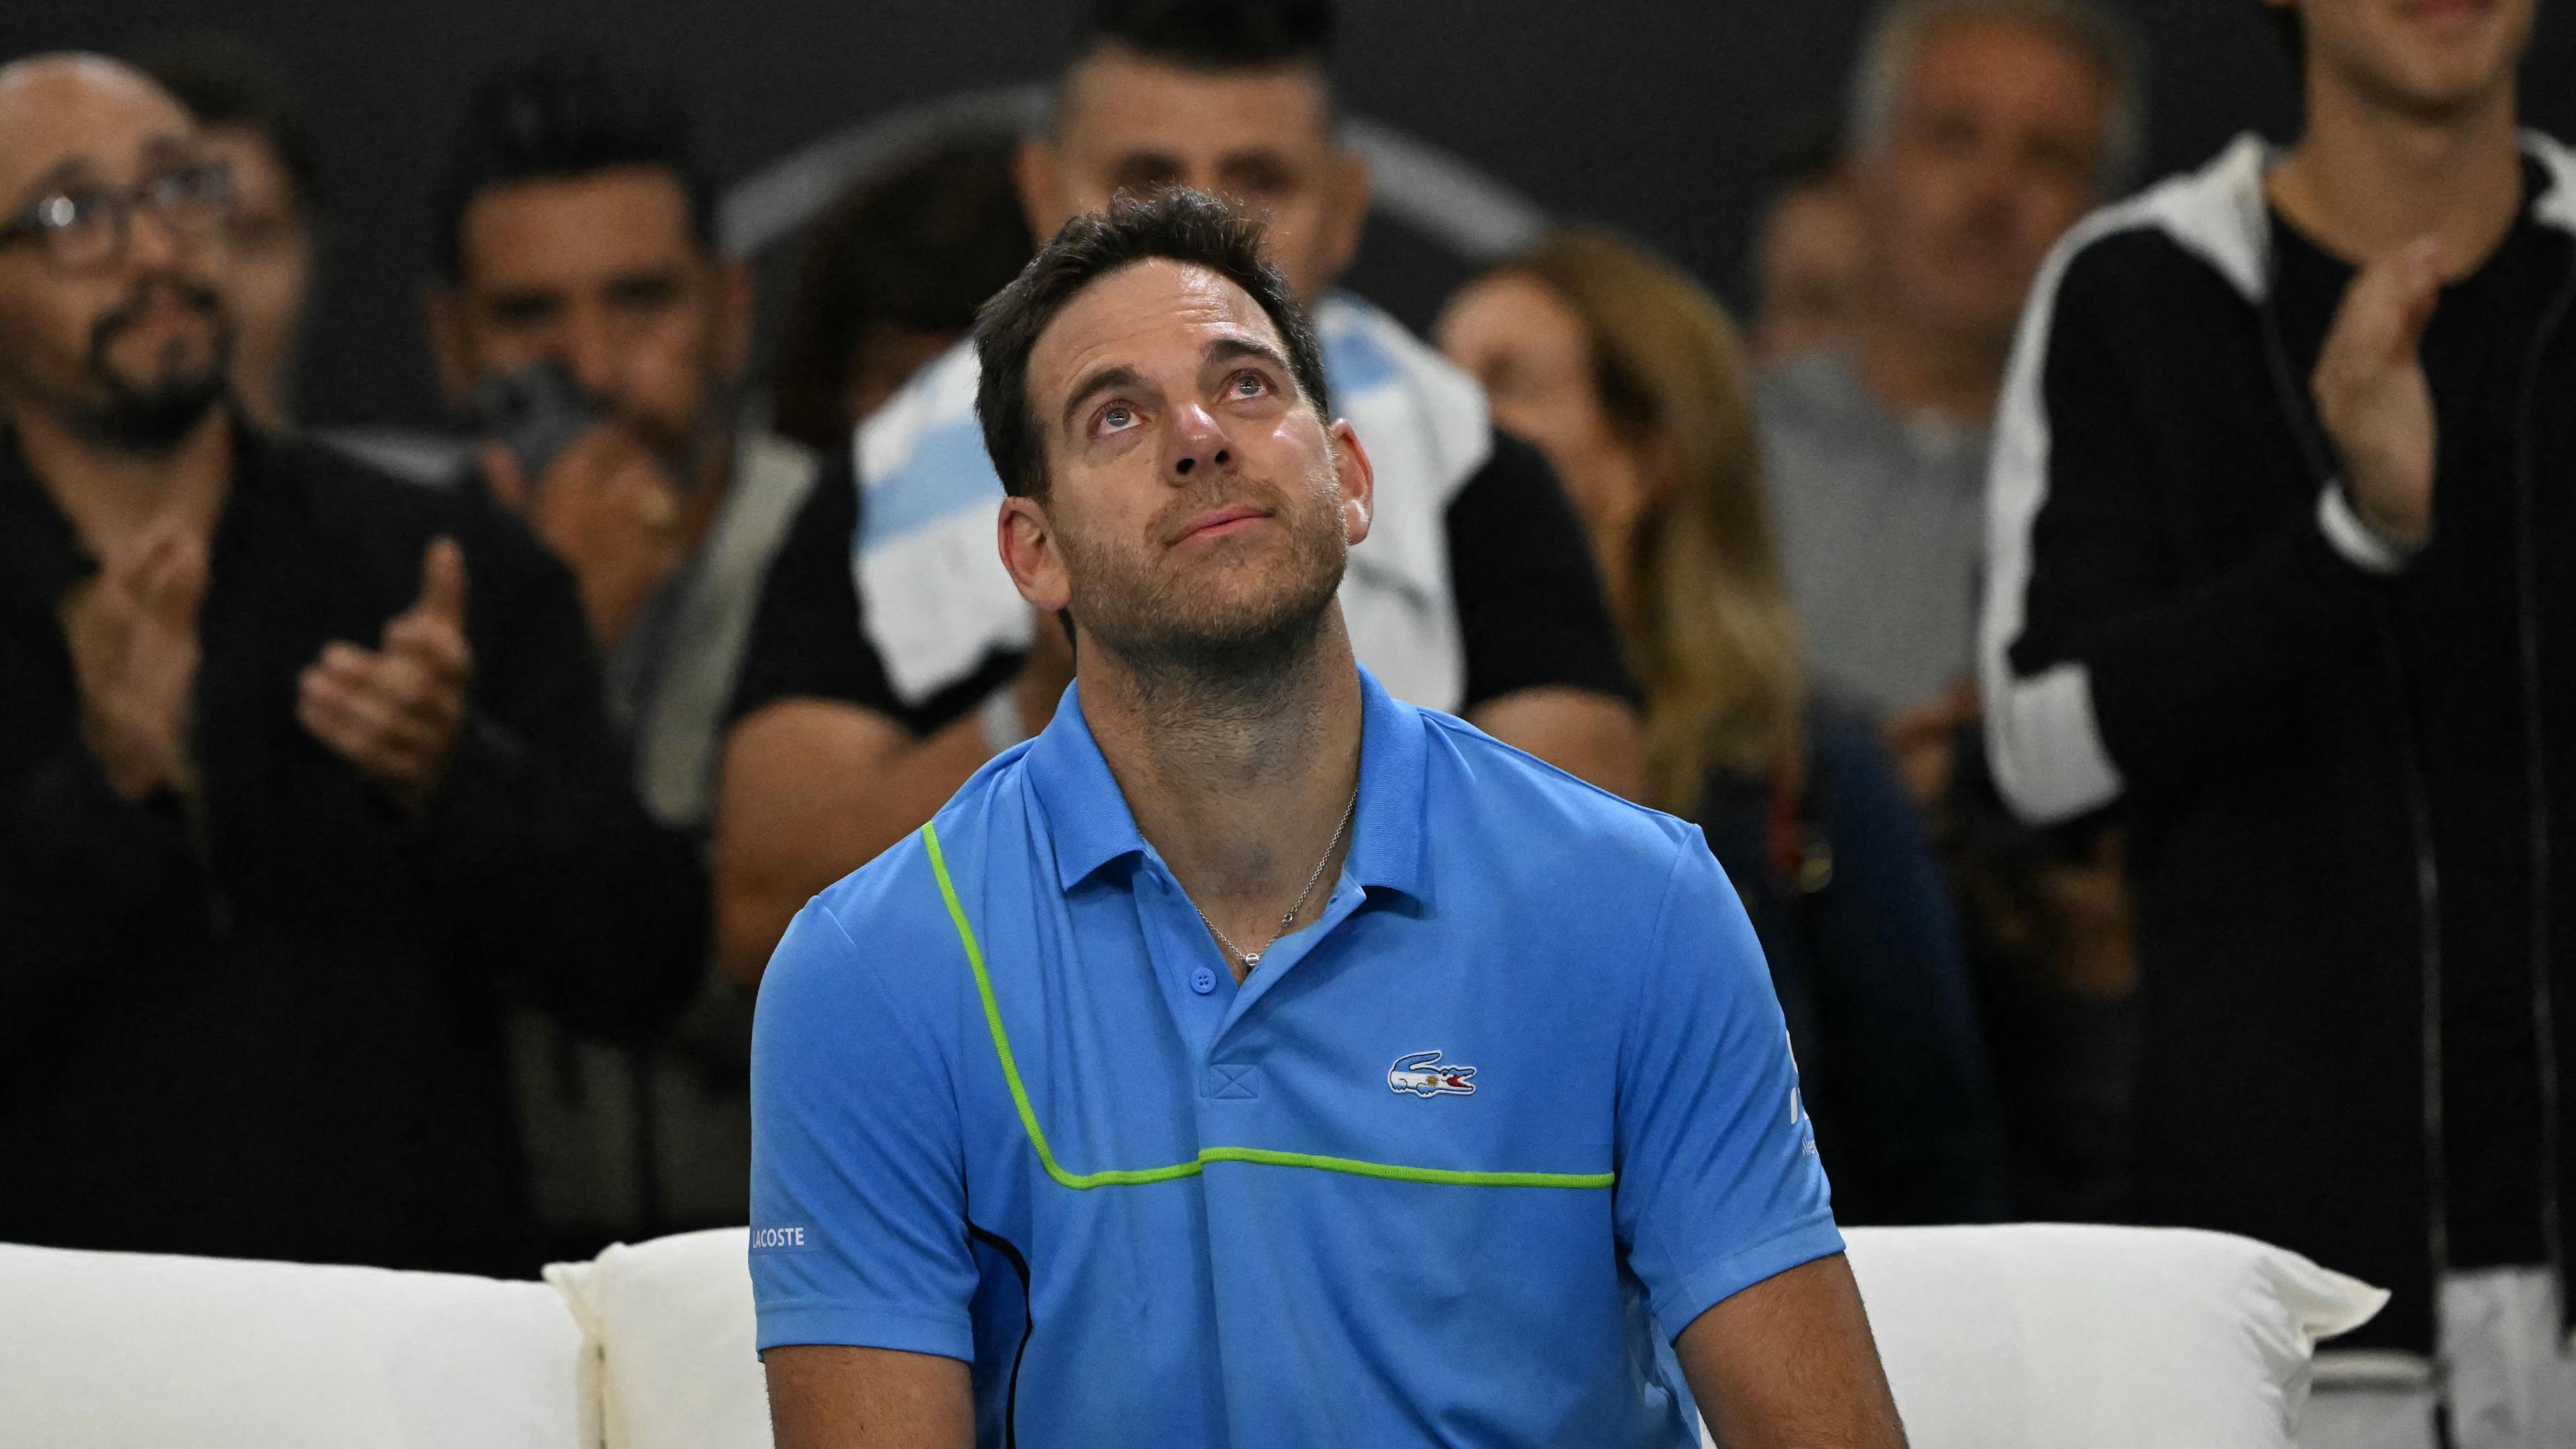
<point>86,231</point>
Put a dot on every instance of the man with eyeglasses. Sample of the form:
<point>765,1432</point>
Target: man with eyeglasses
<point>285,810</point>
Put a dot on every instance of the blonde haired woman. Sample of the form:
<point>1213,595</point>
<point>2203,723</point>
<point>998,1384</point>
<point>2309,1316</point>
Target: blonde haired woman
<point>1634,383</point>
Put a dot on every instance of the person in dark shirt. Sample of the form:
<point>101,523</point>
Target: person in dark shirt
<point>302,769</point>
<point>2279,511</point>
<point>891,658</point>
<point>1637,384</point>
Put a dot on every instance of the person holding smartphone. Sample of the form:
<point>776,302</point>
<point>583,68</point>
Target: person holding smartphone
<point>584,315</point>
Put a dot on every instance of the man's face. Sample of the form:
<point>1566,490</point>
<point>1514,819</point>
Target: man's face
<point>1198,510</point>
<point>1807,268</point>
<point>2424,57</point>
<point>129,351</point>
<point>603,274</point>
<point>272,270</point>
<point>1259,137</point>
<point>1994,150</point>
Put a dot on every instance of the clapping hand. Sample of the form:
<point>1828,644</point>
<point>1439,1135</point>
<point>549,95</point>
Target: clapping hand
<point>132,633</point>
<point>394,712</point>
<point>2372,396</point>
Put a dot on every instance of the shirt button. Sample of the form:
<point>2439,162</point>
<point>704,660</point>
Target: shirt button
<point>1203,981</point>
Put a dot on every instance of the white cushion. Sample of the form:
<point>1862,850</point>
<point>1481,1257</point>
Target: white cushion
<point>673,1320</point>
<point>2038,1336</point>
<point>133,1351</point>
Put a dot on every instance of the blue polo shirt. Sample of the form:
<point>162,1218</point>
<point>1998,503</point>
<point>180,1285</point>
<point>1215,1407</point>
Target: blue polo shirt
<point>1451,1168</point>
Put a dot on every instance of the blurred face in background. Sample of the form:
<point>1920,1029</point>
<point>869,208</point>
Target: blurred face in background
<point>122,344</point>
<point>1529,348</point>
<point>1263,138</point>
<point>2427,58</point>
<point>604,273</point>
<point>1994,148</point>
<point>270,274</point>
<point>1807,269</point>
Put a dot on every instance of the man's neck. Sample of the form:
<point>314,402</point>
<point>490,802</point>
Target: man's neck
<point>111,495</point>
<point>1916,371</point>
<point>1237,783</point>
<point>2368,178</point>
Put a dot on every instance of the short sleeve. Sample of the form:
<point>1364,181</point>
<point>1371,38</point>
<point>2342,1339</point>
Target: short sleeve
<point>808,640</point>
<point>858,1196</point>
<point>1531,613</point>
<point>1719,1185</point>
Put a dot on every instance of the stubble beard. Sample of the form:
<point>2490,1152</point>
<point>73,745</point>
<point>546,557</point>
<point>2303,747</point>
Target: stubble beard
<point>1193,644</point>
<point>153,415</point>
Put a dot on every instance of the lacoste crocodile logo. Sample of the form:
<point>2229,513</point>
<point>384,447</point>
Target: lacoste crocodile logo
<point>1425,1075</point>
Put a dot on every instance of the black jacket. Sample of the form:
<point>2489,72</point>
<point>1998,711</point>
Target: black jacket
<point>2350,774</point>
<point>1856,923</point>
<point>269,1026</point>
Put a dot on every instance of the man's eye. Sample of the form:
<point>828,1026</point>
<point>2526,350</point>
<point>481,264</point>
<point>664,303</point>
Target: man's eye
<point>1117,417</point>
<point>1250,384</point>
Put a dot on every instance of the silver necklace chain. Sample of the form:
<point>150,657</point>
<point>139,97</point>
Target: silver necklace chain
<point>1252,959</point>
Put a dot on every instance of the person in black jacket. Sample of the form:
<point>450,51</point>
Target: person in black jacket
<point>2286,452</point>
<point>301,768</point>
<point>1635,384</point>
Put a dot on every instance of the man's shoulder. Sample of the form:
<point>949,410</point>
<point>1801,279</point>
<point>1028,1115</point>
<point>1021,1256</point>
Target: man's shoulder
<point>360,507</point>
<point>1552,822</point>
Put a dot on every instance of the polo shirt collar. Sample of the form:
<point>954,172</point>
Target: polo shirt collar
<point>1090,826</point>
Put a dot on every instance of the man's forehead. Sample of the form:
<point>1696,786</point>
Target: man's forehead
<point>81,112</point>
<point>1116,102</point>
<point>618,219</point>
<point>1148,312</point>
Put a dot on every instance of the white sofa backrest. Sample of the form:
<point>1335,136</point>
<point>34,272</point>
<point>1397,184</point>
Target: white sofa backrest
<point>134,1351</point>
<point>2034,1336</point>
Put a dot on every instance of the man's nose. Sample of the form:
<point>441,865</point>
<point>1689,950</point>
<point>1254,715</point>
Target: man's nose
<point>1198,443</point>
<point>594,353</point>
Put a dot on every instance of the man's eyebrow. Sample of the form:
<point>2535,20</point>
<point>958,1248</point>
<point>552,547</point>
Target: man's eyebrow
<point>1106,378</point>
<point>1231,349</point>
<point>62,175</point>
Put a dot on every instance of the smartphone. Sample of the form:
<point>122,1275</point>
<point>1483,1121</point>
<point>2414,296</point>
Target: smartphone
<point>536,413</point>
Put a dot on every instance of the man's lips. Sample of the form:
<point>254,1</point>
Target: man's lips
<point>1221,523</point>
<point>2451,10</point>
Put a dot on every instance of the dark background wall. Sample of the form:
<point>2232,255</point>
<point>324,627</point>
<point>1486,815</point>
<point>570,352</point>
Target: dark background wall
<point>1659,116</point>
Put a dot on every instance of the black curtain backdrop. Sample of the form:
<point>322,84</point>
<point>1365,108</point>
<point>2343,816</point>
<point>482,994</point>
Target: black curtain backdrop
<point>1657,116</point>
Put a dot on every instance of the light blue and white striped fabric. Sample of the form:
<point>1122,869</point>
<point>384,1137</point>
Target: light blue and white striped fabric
<point>936,601</point>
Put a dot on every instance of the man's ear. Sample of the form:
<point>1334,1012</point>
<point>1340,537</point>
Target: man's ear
<point>1345,211</point>
<point>737,296</point>
<point>1026,539</point>
<point>1036,174</point>
<point>1356,478</point>
<point>442,310</point>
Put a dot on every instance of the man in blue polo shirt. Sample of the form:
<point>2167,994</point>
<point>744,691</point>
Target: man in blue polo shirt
<point>1252,1059</point>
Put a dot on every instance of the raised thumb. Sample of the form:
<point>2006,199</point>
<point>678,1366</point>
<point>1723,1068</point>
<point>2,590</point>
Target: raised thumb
<point>442,583</point>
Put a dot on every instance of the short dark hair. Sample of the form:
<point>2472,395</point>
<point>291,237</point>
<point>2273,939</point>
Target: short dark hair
<point>230,84</point>
<point>917,248</point>
<point>1179,225</point>
<point>1214,34</point>
<point>2291,27</point>
<point>566,115</point>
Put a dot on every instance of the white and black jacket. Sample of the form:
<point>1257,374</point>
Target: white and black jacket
<point>2184,615</point>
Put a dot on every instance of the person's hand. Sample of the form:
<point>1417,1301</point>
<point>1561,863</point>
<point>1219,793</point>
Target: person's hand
<point>132,633</point>
<point>610,510</point>
<point>1921,740</point>
<point>2372,397</point>
<point>394,712</point>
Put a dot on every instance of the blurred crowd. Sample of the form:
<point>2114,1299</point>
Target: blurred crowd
<point>393,832</point>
